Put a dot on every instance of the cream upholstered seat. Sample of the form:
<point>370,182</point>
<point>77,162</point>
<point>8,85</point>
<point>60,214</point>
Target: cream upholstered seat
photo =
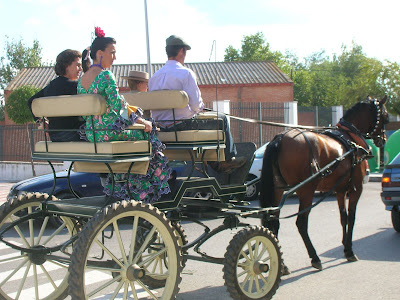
<point>69,106</point>
<point>193,139</point>
<point>139,167</point>
<point>88,105</point>
<point>103,148</point>
<point>196,141</point>
<point>201,136</point>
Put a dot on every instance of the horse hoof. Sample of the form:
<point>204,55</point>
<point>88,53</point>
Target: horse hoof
<point>352,258</point>
<point>285,270</point>
<point>317,265</point>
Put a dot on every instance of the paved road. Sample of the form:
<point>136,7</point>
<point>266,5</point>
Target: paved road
<point>4,189</point>
<point>374,276</point>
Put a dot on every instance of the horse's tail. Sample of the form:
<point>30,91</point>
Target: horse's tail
<point>267,191</point>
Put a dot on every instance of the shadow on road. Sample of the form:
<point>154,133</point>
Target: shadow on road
<point>218,292</point>
<point>376,247</point>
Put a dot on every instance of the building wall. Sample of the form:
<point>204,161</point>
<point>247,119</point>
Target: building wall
<point>253,93</point>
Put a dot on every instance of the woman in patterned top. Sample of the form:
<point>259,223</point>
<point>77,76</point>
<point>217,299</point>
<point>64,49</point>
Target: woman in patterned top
<point>97,80</point>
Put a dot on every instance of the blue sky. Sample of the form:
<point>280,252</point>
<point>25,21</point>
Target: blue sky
<point>302,27</point>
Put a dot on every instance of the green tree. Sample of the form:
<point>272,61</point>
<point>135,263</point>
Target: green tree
<point>18,111</point>
<point>17,104</point>
<point>17,57</point>
<point>254,48</point>
<point>390,83</point>
<point>2,111</point>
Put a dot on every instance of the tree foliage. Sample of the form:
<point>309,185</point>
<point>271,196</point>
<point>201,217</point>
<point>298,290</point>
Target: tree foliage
<point>254,48</point>
<point>18,56</point>
<point>2,111</point>
<point>17,104</point>
<point>344,79</point>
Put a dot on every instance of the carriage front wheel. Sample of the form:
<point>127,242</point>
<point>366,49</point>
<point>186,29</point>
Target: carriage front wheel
<point>31,271</point>
<point>253,264</point>
<point>122,251</point>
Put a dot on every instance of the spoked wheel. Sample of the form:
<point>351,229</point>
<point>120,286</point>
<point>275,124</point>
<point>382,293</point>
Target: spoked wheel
<point>129,250</point>
<point>253,264</point>
<point>27,274</point>
<point>155,282</point>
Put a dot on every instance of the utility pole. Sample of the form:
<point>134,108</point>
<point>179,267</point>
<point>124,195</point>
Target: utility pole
<point>147,39</point>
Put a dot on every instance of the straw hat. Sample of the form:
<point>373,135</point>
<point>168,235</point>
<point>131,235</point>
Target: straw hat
<point>137,75</point>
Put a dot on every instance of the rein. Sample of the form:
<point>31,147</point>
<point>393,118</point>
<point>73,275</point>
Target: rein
<point>316,128</point>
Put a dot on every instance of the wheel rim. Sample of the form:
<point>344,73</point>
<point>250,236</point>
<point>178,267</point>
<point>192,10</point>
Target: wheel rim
<point>257,267</point>
<point>33,276</point>
<point>251,190</point>
<point>156,257</point>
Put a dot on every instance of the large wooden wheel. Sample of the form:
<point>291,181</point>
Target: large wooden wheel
<point>129,250</point>
<point>253,264</point>
<point>33,275</point>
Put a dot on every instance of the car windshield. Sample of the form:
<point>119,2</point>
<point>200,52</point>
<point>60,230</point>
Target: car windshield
<point>395,160</point>
<point>260,151</point>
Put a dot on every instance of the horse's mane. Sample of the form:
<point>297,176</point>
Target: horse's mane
<point>358,107</point>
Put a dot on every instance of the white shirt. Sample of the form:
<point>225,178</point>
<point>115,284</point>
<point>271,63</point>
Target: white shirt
<point>174,76</point>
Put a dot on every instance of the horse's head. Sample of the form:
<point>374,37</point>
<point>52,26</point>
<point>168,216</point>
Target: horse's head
<point>376,130</point>
<point>369,118</point>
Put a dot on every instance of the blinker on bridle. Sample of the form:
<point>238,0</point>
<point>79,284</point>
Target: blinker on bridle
<point>372,134</point>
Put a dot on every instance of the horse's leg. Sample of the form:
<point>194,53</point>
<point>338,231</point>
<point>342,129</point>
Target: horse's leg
<point>341,200</point>
<point>305,200</point>
<point>348,241</point>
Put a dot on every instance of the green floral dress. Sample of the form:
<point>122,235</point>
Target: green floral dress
<point>146,188</point>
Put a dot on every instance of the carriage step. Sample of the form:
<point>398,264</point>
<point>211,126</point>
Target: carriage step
<point>82,207</point>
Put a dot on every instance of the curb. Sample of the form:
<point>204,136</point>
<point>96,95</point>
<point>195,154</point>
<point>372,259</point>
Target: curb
<point>375,177</point>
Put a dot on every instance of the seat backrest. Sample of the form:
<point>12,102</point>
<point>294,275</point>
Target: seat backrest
<point>164,99</point>
<point>69,106</point>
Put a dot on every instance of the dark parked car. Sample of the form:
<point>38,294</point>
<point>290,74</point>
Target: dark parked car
<point>84,184</point>
<point>391,190</point>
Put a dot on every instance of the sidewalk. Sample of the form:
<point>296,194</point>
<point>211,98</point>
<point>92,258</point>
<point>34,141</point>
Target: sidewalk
<point>4,189</point>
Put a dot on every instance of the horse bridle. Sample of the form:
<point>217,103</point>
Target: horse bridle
<point>372,134</point>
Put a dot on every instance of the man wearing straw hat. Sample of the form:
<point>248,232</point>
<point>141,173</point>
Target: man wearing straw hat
<point>174,76</point>
<point>137,81</point>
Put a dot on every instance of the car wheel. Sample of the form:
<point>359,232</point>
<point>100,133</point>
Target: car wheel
<point>252,190</point>
<point>396,218</point>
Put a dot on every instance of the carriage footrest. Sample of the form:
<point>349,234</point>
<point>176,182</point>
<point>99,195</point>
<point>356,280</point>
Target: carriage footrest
<point>82,207</point>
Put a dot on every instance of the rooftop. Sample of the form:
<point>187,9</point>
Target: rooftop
<point>227,73</point>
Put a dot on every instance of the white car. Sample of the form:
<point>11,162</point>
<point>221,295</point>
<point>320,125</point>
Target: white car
<point>255,172</point>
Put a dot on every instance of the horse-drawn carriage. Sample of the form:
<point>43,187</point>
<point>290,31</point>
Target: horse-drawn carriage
<point>107,249</point>
<point>126,249</point>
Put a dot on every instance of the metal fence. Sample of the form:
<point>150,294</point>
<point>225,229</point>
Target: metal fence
<point>251,132</point>
<point>314,115</point>
<point>15,140</point>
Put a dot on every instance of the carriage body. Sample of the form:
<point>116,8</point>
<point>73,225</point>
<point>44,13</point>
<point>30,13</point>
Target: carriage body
<point>141,247</point>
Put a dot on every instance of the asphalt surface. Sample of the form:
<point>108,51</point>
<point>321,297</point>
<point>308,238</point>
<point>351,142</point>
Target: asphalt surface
<point>4,189</point>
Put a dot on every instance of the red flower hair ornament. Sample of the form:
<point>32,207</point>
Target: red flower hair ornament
<point>99,32</point>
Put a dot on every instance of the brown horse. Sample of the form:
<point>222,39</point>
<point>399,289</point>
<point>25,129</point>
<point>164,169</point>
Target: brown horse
<point>295,155</point>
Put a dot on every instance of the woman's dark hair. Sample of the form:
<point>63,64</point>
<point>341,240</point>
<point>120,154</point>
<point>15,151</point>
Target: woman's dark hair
<point>100,43</point>
<point>64,59</point>
<point>172,50</point>
<point>85,60</point>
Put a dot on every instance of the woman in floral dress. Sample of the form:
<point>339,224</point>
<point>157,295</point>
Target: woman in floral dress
<point>97,80</point>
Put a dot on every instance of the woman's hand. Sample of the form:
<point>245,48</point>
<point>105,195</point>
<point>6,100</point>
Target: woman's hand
<point>148,126</point>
